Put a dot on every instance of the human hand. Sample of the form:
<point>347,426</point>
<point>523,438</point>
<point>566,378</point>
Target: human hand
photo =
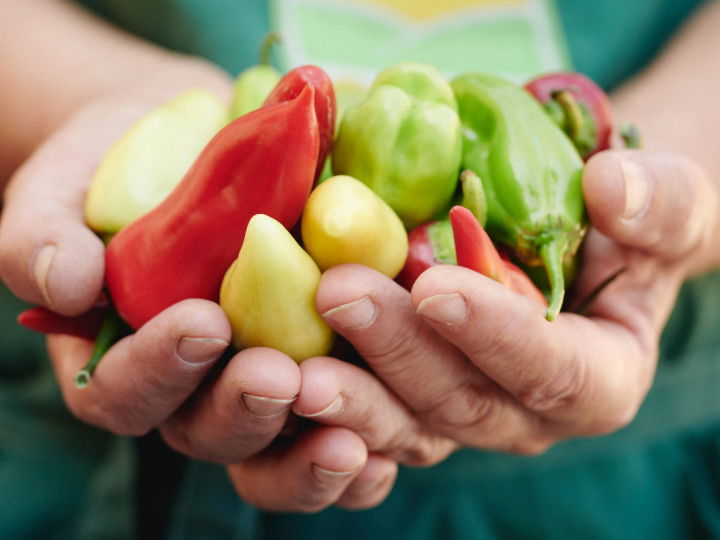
<point>463,361</point>
<point>164,376</point>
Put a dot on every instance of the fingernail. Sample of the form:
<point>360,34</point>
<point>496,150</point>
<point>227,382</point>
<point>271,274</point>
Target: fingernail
<point>326,476</point>
<point>41,269</point>
<point>335,407</point>
<point>446,309</point>
<point>265,406</point>
<point>636,188</point>
<point>200,350</point>
<point>357,314</point>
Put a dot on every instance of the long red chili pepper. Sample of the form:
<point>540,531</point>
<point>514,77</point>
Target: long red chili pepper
<point>263,162</point>
<point>292,84</point>
<point>475,250</point>
<point>86,326</point>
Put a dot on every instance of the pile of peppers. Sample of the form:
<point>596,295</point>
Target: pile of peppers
<point>236,204</point>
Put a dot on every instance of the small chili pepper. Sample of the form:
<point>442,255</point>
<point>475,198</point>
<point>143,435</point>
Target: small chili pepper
<point>263,162</point>
<point>150,159</point>
<point>294,82</point>
<point>432,243</point>
<point>579,106</point>
<point>253,85</point>
<point>347,222</point>
<point>86,325</point>
<point>531,175</point>
<point>476,251</point>
<point>403,141</point>
<point>269,291</point>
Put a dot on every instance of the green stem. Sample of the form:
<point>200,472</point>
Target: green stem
<point>110,331</point>
<point>574,118</point>
<point>630,136</point>
<point>552,254</point>
<point>272,39</point>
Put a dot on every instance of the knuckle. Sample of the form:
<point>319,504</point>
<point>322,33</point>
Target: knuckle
<point>564,390</point>
<point>424,451</point>
<point>400,343</point>
<point>466,410</point>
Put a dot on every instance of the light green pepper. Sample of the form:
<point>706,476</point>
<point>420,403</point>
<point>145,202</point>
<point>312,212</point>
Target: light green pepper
<point>403,140</point>
<point>531,175</point>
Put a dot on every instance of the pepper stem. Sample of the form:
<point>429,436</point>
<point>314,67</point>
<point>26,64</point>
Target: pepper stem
<point>574,118</point>
<point>272,39</point>
<point>111,329</point>
<point>552,254</point>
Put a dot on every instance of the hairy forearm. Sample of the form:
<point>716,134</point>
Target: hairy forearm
<point>56,57</point>
<point>674,103</point>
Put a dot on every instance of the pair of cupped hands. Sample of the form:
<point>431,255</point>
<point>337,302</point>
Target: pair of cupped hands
<point>460,361</point>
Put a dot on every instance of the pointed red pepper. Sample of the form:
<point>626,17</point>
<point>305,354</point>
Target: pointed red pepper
<point>263,162</point>
<point>325,108</point>
<point>475,250</point>
<point>86,326</point>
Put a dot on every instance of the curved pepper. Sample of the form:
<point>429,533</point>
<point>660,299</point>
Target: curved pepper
<point>149,160</point>
<point>476,251</point>
<point>269,291</point>
<point>263,162</point>
<point>346,222</point>
<point>403,141</point>
<point>531,175</point>
<point>295,82</point>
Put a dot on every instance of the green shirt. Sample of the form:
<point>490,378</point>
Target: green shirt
<point>657,478</point>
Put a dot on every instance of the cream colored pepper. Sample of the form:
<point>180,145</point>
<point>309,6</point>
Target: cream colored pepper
<point>347,222</point>
<point>268,294</point>
<point>149,160</point>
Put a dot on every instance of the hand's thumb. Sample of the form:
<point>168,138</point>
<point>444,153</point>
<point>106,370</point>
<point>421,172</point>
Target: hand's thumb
<point>657,203</point>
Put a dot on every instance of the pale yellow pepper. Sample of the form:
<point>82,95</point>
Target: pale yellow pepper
<point>268,294</point>
<point>347,222</point>
<point>151,158</point>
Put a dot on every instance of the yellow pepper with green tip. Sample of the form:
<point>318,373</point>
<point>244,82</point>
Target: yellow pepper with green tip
<point>251,88</point>
<point>149,160</point>
<point>268,294</point>
<point>404,141</point>
<point>346,222</point>
<point>254,84</point>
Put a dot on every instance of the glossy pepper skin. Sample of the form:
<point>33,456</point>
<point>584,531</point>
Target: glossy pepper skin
<point>531,175</point>
<point>579,106</point>
<point>475,250</point>
<point>432,243</point>
<point>295,82</point>
<point>268,294</point>
<point>346,222</point>
<point>151,158</point>
<point>263,162</point>
<point>403,141</point>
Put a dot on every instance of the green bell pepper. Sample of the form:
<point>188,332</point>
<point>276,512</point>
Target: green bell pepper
<point>531,175</point>
<point>403,140</point>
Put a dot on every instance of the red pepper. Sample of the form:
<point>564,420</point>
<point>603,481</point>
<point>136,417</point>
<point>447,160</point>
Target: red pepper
<point>325,109</point>
<point>263,162</point>
<point>429,244</point>
<point>475,250</point>
<point>584,92</point>
<point>86,325</point>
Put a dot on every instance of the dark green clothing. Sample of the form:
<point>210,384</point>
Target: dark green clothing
<point>657,478</point>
